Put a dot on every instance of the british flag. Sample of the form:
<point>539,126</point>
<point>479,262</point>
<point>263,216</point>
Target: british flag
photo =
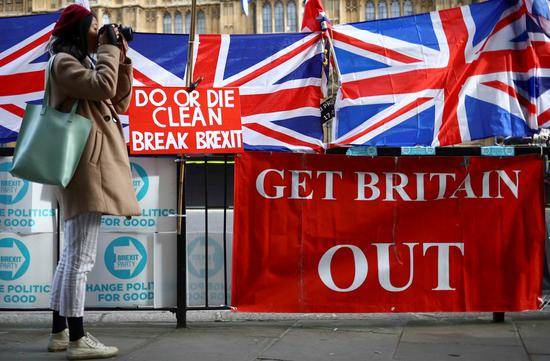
<point>22,61</point>
<point>278,76</point>
<point>442,78</point>
<point>279,80</point>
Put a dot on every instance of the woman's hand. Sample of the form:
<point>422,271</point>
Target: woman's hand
<point>122,44</point>
<point>109,35</point>
<point>103,38</point>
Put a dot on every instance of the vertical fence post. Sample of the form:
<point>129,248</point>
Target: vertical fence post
<point>225,229</point>
<point>206,231</point>
<point>181,250</point>
<point>498,317</point>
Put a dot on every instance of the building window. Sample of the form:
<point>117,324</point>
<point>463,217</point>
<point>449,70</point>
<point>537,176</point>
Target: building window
<point>106,19</point>
<point>408,8</point>
<point>291,16</point>
<point>188,22</point>
<point>369,11</point>
<point>266,18</point>
<point>167,23</point>
<point>279,17</point>
<point>395,9</point>
<point>201,22</point>
<point>382,10</point>
<point>178,23</point>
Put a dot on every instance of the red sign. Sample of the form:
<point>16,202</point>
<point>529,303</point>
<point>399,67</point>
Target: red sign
<point>167,120</point>
<point>332,233</point>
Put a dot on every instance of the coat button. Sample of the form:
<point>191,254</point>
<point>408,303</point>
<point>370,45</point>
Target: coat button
<point>107,118</point>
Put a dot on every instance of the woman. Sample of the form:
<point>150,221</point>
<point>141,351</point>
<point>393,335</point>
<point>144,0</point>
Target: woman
<point>102,183</point>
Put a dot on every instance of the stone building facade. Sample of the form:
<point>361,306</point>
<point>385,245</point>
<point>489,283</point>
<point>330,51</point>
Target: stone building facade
<point>226,16</point>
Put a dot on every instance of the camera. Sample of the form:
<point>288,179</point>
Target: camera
<point>126,31</point>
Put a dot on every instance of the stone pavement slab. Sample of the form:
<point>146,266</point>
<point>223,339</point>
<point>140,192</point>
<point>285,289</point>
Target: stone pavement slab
<point>535,335</point>
<point>408,337</point>
<point>126,338</point>
<point>452,351</point>
<point>332,340</point>
<point>212,341</point>
<point>471,333</point>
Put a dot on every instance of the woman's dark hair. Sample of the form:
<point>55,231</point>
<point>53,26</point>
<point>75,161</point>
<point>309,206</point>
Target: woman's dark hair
<point>74,43</point>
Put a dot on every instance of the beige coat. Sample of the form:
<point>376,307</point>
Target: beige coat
<point>103,180</point>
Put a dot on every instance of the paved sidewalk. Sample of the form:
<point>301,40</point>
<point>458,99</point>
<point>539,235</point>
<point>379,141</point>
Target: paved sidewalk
<point>152,336</point>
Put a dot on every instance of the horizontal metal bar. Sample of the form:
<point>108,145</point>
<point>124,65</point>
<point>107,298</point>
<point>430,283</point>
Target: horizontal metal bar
<point>92,309</point>
<point>450,151</point>
<point>171,309</point>
<point>382,151</point>
<point>193,162</point>
<point>209,308</point>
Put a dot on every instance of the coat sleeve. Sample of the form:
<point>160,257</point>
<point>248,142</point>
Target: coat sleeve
<point>123,93</point>
<point>92,84</point>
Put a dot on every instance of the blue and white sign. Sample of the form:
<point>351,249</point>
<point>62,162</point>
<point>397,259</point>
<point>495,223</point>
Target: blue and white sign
<point>125,257</point>
<point>14,259</point>
<point>25,207</point>
<point>140,181</point>
<point>154,181</point>
<point>26,270</point>
<point>12,191</point>
<point>165,253</point>
<point>166,258</point>
<point>123,275</point>
<point>196,257</point>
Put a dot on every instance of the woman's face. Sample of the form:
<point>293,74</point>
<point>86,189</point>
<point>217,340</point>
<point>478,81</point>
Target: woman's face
<point>92,37</point>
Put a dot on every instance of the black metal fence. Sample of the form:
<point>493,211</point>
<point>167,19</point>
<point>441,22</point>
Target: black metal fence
<point>208,185</point>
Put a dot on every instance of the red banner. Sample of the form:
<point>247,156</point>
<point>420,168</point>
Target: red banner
<point>168,120</point>
<point>331,233</point>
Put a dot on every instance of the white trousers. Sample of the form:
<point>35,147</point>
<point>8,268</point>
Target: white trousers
<point>78,258</point>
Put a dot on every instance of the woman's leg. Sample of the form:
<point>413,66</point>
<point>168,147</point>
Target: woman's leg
<point>59,323</point>
<point>81,234</point>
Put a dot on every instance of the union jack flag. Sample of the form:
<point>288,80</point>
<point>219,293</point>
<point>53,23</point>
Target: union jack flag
<point>278,76</point>
<point>22,61</point>
<point>442,78</point>
<point>279,80</point>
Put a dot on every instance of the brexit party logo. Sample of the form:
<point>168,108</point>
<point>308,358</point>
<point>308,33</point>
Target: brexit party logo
<point>12,189</point>
<point>125,257</point>
<point>14,259</point>
<point>140,181</point>
<point>196,259</point>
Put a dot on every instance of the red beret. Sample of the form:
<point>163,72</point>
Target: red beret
<point>69,19</point>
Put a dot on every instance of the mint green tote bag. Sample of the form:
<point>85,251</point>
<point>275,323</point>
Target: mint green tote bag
<point>50,143</point>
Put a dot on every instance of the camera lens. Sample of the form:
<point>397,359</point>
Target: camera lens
<point>127,32</point>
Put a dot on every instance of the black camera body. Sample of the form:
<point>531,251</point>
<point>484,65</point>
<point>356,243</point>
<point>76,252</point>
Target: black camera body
<point>126,31</point>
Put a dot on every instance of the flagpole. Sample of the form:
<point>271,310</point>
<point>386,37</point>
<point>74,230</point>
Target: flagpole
<point>327,37</point>
<point>188,82</point>
<point>333,53</point>
<point>191,48</point>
